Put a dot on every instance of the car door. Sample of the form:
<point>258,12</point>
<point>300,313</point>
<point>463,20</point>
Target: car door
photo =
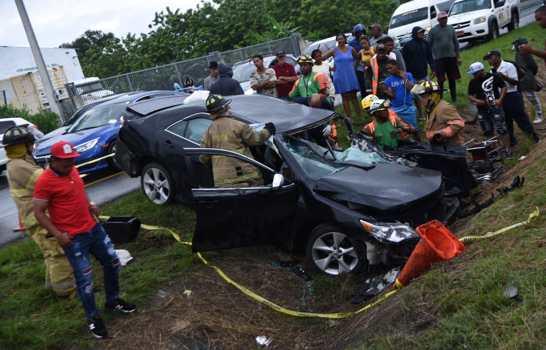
<point>502,10</point>
<point>237,217</point>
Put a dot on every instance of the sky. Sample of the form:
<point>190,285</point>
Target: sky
<point>60,21</point>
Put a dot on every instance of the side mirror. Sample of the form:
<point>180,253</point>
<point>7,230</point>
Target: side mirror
<point>278,180</point>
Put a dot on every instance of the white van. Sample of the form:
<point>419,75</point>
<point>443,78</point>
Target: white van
<point>415,13</point>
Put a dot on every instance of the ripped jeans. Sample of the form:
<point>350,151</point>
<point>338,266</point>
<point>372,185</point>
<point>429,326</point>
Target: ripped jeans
<point>97,243</point>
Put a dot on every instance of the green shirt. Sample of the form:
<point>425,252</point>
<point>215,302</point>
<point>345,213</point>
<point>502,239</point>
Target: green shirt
<point>385,134</point>
<point>307,86</point>
<point>443,42</point>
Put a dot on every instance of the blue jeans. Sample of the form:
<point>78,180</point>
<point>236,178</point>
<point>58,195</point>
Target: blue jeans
<point>99,244</point>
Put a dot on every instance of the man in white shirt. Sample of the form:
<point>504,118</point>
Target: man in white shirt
<point>263,80</point>
<point>513,106</point>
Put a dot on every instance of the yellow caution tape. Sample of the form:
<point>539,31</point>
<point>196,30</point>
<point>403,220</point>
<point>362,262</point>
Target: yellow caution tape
<point>534,214</point>
<point>336,315</point>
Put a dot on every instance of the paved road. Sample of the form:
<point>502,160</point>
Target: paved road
<point>100,191</point>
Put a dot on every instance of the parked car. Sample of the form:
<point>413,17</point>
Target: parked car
<point>242,70</point>
<point>324,44</point>
<point>483,19</point>
<point>93,130</point>
<point>414,13</point>
<point>7,123</point>
<point>344,208</point>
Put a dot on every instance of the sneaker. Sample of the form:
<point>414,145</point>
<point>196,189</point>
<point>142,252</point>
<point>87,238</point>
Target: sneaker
<point>97,328</point>
<point>538,120</point>
<point>121,306</point>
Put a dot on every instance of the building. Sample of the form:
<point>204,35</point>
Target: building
<point>20,84</point>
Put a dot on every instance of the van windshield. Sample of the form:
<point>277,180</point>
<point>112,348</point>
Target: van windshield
<point>469,6</point>
<point>409,17</point>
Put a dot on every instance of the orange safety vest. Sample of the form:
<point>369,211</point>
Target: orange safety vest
<point>375,74</point>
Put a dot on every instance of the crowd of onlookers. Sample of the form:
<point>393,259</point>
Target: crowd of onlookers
<point>371,63</point>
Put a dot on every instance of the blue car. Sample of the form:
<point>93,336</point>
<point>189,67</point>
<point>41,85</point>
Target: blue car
<point>93,130</point>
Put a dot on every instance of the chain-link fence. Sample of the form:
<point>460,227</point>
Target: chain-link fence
<point>164,77</point>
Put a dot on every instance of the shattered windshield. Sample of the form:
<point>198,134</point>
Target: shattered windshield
<point>318,161</point>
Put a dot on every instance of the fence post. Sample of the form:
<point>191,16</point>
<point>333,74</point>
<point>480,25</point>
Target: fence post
<point>129,82</point>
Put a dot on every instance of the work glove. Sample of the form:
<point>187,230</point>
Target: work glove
<point>271,128</point>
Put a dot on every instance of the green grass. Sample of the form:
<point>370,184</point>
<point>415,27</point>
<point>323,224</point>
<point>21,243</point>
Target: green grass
<point>33,318</point>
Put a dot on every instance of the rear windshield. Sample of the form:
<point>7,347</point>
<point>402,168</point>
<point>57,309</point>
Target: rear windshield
<point>469,6</point>
<point>409,17</point>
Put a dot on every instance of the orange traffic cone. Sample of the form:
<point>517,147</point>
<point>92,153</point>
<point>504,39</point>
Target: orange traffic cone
<point>437,244</point>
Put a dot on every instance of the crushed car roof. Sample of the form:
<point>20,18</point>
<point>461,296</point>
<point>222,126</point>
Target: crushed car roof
<point>254,109</point>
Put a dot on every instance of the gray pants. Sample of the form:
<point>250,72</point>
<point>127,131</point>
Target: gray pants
<point>533,98</point>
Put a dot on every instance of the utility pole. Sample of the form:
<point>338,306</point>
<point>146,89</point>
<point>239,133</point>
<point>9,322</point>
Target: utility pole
<point>42,68</point>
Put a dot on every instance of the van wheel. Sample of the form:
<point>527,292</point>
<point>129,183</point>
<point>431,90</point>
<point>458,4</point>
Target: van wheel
<point>493,31</point>
<point>514,23</point>
<point>157,184</point>
<point>334,252</point>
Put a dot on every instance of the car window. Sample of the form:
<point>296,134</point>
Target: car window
<point>100,115</point>
<point>197,128</point>
<point>469,6</point>
<point>432,12</point>
<point>443,6</point>
<point>178,128</point>
<point>409,17</point>
<point>5,125</point>
<point>251,176</point>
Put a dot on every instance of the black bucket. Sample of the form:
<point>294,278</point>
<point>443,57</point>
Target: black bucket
<point>122,229</point>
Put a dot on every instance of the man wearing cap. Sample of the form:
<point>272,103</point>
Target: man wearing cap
<point>286,75</point>
<point>22,173</point>
<point>226,132</point>
<point>213,75</point>
<point>512,104</point>
<point>62,207</point>
<point>375,33</point>
<point>445,52</point>
<point>311,89</point>
<point>540,17</point>
<point>487,91</point>
<point>359,30</point>
<point>417,54</point>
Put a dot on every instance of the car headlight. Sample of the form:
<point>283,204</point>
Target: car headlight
<point>480,20</point>
<point>86,145</point>
<point>389,232</point>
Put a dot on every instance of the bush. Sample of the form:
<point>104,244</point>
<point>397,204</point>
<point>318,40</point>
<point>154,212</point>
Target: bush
<point>45,121</point>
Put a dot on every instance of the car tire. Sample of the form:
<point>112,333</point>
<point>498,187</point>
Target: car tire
<point>112,163</point>
<point>157,184</point>
<point>493,31</point>
<point>331,251</point>
<point>514,22</point>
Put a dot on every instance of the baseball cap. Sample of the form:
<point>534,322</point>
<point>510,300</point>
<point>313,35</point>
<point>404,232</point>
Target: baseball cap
<point>213,65</point>
<point>475,68</point>
<point>63,150</point>
<point>442,14</point>
<point>491,53</point>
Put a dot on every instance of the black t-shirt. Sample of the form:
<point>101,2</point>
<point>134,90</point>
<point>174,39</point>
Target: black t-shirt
<point>486,88</point>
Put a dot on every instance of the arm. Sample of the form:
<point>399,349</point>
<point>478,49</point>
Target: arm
<point>39,208</point>
<point>238,89</point>
<point>476,101</point>
<point>295,92</point>
<point>254,84</point>
<point>454,124</point>
<point>528,49</point>
<point>323,82</point>
<point>455,43</point>
<point>355,54</point>
<point>328,54</point>
<point>206,143</point>
<point>272,82</point>
<point>503,92</point>
<point>508,79</point>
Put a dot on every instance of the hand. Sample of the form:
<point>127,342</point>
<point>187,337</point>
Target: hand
<point>94,210</point>
<point>64,239</point>
<point>498,103</point>
<point>271,128</point>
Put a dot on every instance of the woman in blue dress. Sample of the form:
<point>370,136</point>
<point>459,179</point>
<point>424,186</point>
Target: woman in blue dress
<point>345,80</point>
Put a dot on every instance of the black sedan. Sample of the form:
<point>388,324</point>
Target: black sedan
<point>346,208</point>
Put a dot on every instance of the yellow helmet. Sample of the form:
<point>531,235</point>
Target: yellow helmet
<point>367,101</point>
<point>425,87</point>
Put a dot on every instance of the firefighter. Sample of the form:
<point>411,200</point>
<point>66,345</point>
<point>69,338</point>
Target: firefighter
<point>387,129</point>
<point>22,173</point>
<point>444,125</point>
<point>228,133</point>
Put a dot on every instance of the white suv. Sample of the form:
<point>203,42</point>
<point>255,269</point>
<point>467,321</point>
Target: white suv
<point>482,19</point>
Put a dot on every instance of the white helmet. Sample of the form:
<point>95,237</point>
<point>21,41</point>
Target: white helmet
<point>379,105</point>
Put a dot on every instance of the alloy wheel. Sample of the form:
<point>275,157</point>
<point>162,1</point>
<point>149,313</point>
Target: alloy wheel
<point>156,185</point>
<point>334,253</point>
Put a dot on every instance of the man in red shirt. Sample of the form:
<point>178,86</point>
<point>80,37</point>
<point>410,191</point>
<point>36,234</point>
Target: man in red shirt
<point>286,76</point>
<point>60,192</point>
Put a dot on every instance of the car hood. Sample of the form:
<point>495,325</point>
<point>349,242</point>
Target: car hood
<point>468,16</point>
<point>56,132</point>
<point>384,187</point>
<point>75,138</point>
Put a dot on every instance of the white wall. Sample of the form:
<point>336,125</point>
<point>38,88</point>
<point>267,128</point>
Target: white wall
<point>19,60</point>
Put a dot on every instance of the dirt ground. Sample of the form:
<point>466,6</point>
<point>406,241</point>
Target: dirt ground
<point>201,311</point>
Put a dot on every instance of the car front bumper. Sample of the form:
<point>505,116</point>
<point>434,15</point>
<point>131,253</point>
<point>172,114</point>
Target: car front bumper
<point>467,31</point>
